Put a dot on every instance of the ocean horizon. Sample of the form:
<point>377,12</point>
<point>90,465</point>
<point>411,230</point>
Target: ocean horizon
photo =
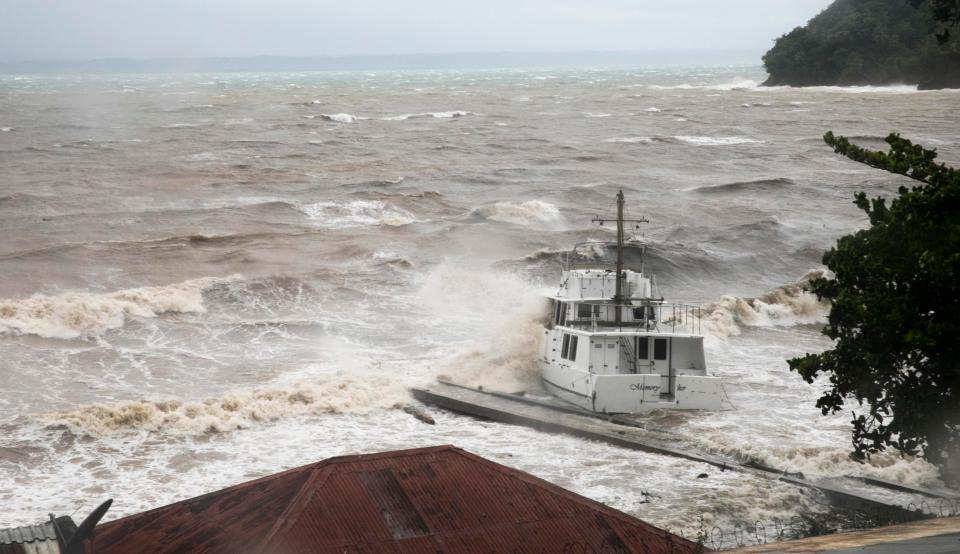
<point>394,62</point>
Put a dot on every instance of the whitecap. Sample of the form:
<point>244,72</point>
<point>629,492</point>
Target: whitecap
<point>716,141</point>
<point>631,140</point>
<point>339,117</point>
<point>791,304</point>
<point>83,314</point>
<point>438,115</point>
<point>238,409</point>
<point>356,213</point>
<point>529,212</point>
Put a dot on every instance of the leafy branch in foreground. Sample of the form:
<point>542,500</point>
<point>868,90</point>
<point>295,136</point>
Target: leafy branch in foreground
<point>895,315</point>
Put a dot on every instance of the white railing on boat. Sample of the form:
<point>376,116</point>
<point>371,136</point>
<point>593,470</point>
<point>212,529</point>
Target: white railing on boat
<point>665,318</point>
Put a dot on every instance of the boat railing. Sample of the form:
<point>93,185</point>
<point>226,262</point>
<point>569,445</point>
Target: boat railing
<point>599,266</point>
<point>573,259</point>
<point>653,317</point>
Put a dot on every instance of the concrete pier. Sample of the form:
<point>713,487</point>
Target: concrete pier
<point>558,418</point>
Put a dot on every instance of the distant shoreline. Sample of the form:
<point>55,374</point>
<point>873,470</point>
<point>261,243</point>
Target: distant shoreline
<point>454,61</point>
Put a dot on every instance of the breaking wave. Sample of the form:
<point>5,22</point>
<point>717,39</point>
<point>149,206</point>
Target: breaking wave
<point>82,314</point>
<point>888,89</point>
<point>437,115</point>
<point>759,185</point>
<point>684,139</point>
<point>505,328</point>
<point>356,213</point>
<point>632,140</point>
<point>235,410</point>
<point>717,141</point>
<point>530,212</point>
<point>339,117</point>
<point>791,304</point>
<point>746,84</point>
<point>350,118</point>
<point>829,461</point>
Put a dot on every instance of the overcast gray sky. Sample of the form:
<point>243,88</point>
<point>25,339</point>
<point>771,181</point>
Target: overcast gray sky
<point>86,29</point>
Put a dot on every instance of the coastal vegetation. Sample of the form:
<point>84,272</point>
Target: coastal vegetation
<point>871,42</point>
<point>895,316</point>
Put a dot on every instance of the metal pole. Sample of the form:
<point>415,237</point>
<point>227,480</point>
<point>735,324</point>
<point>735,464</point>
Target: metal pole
<point>618,297</point>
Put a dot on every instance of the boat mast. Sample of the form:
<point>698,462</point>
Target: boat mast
<point>618,299</point>
<point>618,295</point>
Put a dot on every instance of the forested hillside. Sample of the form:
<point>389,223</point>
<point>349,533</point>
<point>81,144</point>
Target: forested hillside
<point>866,42</point>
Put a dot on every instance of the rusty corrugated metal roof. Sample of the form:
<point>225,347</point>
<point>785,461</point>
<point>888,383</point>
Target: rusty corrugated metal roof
<point>439,499</point>
<point>30,539</point>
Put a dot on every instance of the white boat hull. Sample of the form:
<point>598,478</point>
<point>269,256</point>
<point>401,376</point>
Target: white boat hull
<point>630,393</point>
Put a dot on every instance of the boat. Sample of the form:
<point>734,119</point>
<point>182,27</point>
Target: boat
<point>613,345</point>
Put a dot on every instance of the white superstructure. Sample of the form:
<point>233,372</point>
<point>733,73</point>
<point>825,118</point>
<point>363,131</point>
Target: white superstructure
<point>611,346</point>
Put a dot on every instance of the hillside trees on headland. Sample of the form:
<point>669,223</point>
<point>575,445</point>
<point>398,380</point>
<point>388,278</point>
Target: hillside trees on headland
<point>895,315</point>
<point>871,42</point>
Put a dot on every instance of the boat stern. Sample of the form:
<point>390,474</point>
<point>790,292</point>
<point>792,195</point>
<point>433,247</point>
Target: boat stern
<point>638,393</point>
<point>626,394</point>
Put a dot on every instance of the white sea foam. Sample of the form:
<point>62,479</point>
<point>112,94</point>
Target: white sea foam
<point>438,115</point>
<point>339,117</point>
<point>505,328</point>
<point>746,84</point>
<point>204,157</point>
<point>755,86</point>
<point>83,314</point>
<point>791,304</point>
<point>631,140</point>
<point>530,212</point>
<point>357,213</point>
<point>591,114</point>
<point>653,110</point>
<point>889,89</point>
<point>360,393</point>
<point>717,141</point>
<point>6,129</point>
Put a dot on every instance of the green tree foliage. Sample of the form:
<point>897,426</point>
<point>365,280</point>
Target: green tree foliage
<point>869,42</point>
<point>944,11</point>
<point>895,315</point>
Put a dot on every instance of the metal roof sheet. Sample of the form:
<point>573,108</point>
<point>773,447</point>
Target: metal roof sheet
<point>439,499</point>
<point>30,539</point>
<point>28,533</point>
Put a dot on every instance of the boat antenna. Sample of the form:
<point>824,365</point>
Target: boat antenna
<point>618,299</point>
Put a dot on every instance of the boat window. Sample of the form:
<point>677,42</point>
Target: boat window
<point>659,349</point>
<point>638,313</point>
<point>573,348</point>
<point>643,348</point>
<point>566,346</point>
<point>583,311</point>
<point>561,313</point>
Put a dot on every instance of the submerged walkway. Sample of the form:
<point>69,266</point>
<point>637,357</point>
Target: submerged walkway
<point>932,536</point>
<point>557,418</point>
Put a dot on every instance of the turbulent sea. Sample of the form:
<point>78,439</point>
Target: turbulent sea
<point>209,278</point>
